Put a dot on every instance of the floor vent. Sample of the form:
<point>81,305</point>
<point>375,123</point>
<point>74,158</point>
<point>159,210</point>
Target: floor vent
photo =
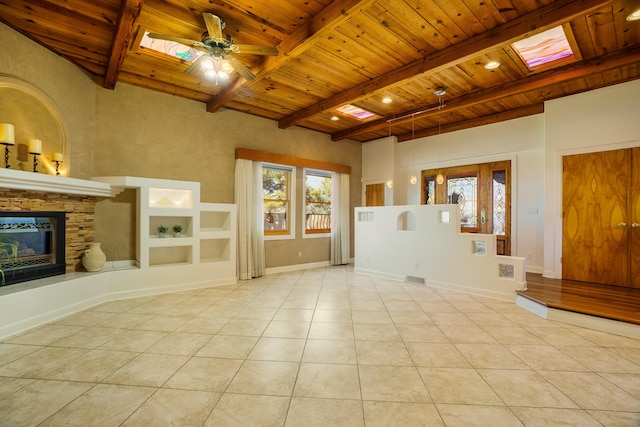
<point>414,279</point>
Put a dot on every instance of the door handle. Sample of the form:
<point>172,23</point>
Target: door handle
<point>635,225</point>
<point>622,225</point>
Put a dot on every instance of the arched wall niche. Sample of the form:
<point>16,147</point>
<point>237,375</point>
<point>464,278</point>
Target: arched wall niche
<point>34,115</point>
<point>407,221</point>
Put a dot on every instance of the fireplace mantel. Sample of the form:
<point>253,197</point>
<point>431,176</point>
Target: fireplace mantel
<point>21,180</point>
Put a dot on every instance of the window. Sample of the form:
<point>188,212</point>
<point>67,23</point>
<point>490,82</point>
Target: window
<point>277,190</point>
<point>317,202</point>
<point>463,191</point>
<point>429,190</point>
<point>499,201</point>
<point>170,48</point>
<point>548,49</point>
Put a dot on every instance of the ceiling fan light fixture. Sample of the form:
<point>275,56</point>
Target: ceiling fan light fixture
<point>217,68</point>
<point>207,64</point>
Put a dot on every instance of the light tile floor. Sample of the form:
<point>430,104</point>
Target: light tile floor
<point>323,347</point>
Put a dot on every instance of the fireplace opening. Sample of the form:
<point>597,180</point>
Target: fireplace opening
<point>32,246</point>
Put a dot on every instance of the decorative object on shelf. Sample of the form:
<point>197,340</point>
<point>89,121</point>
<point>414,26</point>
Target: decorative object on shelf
<point>35,148</point>
<point>93,258</point>
<point>57,159</point>
<point>177,228</point>
<point>7,138</point>
<point>162,230</point>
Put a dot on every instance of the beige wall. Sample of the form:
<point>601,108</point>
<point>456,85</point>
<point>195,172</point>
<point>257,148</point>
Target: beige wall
<point>136,132</point>
<point>64,85</point>
<point>145,133</point>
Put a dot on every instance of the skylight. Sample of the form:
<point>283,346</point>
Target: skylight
<point>355,112</point>
<point>170,48</point>
<point>545,48</point>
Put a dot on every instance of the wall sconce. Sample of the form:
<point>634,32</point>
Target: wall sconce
<point>413,179</point>
<point>7,138</point>
<point>389,183</point>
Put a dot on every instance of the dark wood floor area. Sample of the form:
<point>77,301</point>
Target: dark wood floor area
<point>610,302</point>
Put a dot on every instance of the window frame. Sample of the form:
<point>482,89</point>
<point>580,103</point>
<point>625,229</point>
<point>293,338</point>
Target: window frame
<point>322,233</point>
<point>291,206</point>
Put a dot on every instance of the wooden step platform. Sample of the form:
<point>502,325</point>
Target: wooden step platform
<point>609,302</point>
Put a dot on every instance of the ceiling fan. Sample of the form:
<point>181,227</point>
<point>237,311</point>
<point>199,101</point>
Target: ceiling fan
<point>219,49</point>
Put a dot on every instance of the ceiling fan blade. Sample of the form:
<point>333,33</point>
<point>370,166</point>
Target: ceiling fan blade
<point>187,42</point>
<point>195,65</point>
<point>252,49</point>
<point>214,25</point>
<point>242,69</point>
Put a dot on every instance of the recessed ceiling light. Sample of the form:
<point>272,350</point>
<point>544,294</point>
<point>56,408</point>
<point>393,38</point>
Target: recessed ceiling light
<point>387,100</point>
<point>335,118</point>
<point>492,65</point>
<point>634,16</point>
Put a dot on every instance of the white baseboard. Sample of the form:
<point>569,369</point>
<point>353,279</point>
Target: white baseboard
<point>296,267</point>
<point>535,269</point>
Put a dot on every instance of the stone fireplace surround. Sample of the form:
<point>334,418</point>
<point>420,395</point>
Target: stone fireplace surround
<point>80,214</point>
<point>22,191</point>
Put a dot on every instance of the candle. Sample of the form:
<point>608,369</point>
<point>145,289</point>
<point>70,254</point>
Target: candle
<point>35,146</point>
<point>7,136</point>
<point>56,157</point>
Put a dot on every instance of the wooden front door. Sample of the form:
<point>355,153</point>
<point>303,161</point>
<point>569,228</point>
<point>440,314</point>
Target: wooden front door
<point>374,195</point>
<point>483,192</point>
<point>600,235</point>
<point>635,218</point>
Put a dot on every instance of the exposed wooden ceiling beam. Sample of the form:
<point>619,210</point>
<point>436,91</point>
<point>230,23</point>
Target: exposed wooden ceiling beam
<point>127,17</point>
<point>553,14</point>
<point>529,110</point>
<point>302,39</point>
<point>538,81</point>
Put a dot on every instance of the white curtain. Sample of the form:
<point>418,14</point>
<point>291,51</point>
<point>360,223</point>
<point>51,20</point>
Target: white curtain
<point>248,197</point>
<point>340,216</point>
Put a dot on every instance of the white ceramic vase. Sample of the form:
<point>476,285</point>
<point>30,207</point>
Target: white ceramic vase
<point>93,258</point>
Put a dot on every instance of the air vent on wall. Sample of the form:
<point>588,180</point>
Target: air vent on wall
<point>414,279</point>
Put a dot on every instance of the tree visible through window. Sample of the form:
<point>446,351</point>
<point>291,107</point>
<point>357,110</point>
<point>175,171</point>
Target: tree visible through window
<point>317,208</point>
<point>276,186</point>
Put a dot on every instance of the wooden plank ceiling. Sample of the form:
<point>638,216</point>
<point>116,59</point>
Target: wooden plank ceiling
<point>333,53</point>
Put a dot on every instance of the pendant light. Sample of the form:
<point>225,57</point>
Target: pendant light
<point>413,178</point>
<point>440,176</point>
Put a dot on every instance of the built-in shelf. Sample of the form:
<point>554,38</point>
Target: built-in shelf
<point>215,250</point>
<point>208,236</point>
